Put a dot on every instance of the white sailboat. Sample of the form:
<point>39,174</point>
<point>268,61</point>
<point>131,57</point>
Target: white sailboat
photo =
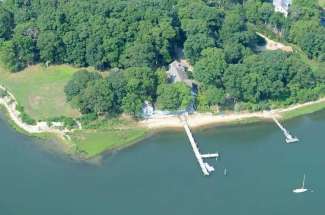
<point>302,189</point>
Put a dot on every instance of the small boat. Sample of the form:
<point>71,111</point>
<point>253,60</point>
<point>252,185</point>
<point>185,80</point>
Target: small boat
<point>290,138</point>
<point>208,167</point>
<point>302,189</point>
<point>225,172</point>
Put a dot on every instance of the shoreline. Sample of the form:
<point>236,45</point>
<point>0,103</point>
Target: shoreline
<point>198,120</point>
<point>154,124</point>
<point>10,103</point>
<point>157,122</point>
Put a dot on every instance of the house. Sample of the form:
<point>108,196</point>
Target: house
<point>147,109</point>
<point>177,72</point>
<point>282,6</point>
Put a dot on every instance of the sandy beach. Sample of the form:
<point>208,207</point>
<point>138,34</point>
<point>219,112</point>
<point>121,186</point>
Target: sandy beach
<point>204,119</point>
<point>157,121</point>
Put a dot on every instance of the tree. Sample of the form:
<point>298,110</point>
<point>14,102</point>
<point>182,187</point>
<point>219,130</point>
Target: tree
<point>139,54</point>
<point>132,104</point>
<point>50,47</point>
<point>310,36</point>
<point>97,98</point>
<point>234,52</point>
<point>301,75</point>
<point>278,22</point>
<point>95,53</point>
<point>304,9</point>
<point>24,40</point>
<point>234,23</point>
<point>265,11</point>
<point>233,78</point>
<point>118,83</point>
<point>79,83</point>
<point>210,96</point>
<point>6,23</point>
<point>251,9</point>
<point>174,96</point>
<point>141,81</point>
<point>194,45</point>
<point>9,57</point>
<point>210,68</point>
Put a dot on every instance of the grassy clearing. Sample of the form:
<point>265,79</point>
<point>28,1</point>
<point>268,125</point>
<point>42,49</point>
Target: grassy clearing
<point>94,142</point>
<point>40,90</point>
<point>304,110</point>
<point>321,3</point>
<point>107,134</point>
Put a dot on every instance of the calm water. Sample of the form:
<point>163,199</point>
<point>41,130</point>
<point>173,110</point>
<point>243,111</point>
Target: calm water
<point>161,176</point>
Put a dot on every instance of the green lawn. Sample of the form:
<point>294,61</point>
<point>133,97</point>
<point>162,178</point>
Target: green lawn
<point>94,142</point>
<point>322,3</point>
<point>304,110</point>
<point>40,90</point>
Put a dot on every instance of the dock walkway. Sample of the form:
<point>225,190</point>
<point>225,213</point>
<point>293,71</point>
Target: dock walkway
<point>205,167</point>
<point>288,136</point>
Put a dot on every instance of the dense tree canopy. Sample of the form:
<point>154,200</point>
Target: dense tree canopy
<point>79,82</point>
<point>6,23</point>
<point>103,34</point>
<point>136,40</point>
<point>174,97</point>
<point>210,68</point>
<point>267,76</point>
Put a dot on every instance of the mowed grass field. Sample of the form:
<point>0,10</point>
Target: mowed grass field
<point>94,142</point>
<point>322,3</point>
<point>304,110</point>
<point>41,90</point>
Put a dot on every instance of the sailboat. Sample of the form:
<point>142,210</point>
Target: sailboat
<point>225,172</point>
<point>302,189</point>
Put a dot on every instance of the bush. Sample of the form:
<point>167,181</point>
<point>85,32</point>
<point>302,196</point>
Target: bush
<point>20,108</point>
<point>24,116</point>
<point>3,93</point>
<point>87,118</point>
<point>251,107</point>
<point>27,119</point>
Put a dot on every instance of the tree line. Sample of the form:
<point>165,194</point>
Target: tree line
<point>125,91</point>
<point>136,40</point>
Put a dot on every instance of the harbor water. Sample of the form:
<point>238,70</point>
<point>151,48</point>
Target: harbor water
<point>161,176</point>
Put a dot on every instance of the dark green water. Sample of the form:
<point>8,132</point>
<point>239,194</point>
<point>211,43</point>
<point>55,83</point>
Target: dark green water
<point>161,176</point>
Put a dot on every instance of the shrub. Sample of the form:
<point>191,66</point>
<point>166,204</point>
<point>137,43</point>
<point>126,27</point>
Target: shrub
<point>3,93</point>
<point>87,118</point>
<point>24,116</point>
<point>27,119</point>
<point>20,108</point>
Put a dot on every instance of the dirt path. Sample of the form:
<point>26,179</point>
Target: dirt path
<point>272,45</point>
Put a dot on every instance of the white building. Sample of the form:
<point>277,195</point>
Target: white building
<point>147,109</point>
<point>282,6</point>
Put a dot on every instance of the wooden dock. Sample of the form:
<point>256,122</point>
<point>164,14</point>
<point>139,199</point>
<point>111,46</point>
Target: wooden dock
<point>288,136</point>
<point>205,167</point>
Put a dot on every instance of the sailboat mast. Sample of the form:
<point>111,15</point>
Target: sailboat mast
<point>303,182</point>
